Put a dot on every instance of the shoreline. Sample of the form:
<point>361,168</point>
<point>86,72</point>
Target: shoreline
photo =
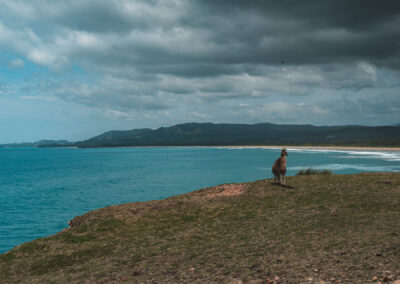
<point>355,148</point>
<point>339,148</point>
<point>344,148</point>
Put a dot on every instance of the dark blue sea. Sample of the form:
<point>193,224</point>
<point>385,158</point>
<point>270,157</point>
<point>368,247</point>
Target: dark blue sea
<point>42,189</point>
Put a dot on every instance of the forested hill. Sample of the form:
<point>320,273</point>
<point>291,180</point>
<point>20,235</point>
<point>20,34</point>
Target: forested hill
<point>209,134</point>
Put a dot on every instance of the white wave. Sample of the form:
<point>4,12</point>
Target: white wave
<point>359,167</point>
<point>383,155</point>
<point>263,168</point>
<point>311,150</point>
<point>387,156</point>
<point>392,156</point>
<point>226,147</point>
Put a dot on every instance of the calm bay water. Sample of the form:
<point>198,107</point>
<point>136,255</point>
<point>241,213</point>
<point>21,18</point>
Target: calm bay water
<point>41,189</point>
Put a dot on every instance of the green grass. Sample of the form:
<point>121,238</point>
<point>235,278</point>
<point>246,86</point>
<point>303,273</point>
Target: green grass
<point>345,227</point>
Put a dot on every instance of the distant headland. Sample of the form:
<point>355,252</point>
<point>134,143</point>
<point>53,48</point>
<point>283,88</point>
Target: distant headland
<point>224,134</point>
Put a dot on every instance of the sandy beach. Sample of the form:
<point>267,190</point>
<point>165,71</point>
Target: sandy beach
<point>320,148</point>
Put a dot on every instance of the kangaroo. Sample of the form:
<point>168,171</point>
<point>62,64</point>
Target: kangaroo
<point>279,168</point>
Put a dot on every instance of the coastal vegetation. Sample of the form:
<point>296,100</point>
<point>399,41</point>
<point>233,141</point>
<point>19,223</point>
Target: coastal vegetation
<point>312,171</point>
<point>210,134</point>
<point>332,228</point>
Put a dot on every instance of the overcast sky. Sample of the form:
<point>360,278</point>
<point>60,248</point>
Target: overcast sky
<point>73,69</point>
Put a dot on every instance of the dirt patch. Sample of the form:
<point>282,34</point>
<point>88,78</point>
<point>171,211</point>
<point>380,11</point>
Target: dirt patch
<point>227,190</point>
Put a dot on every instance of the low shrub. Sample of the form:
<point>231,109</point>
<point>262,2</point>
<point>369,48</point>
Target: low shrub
<point>311,171</point>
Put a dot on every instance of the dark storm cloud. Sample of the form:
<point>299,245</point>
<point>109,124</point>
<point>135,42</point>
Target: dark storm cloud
<point>342,12</point>
<point>302,32</point>
<point>160,55</point>
<point>202,36</point>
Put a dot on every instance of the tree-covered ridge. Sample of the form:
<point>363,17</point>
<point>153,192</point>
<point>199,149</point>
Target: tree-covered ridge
<point>210,134</point>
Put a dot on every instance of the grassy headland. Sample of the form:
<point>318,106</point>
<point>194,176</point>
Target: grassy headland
<point>323,228</point>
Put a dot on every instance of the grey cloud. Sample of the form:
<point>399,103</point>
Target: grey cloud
<point>237,32</point>
<point>16,63</point>
<point>358,14</point>
<point>386,104</point>
<point>200,37</point>
<point>113,93</point>
<point>188,56</point>
<point>310,31</point>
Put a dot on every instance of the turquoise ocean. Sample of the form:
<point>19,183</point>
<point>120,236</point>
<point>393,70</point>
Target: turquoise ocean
<point>41,189</point>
